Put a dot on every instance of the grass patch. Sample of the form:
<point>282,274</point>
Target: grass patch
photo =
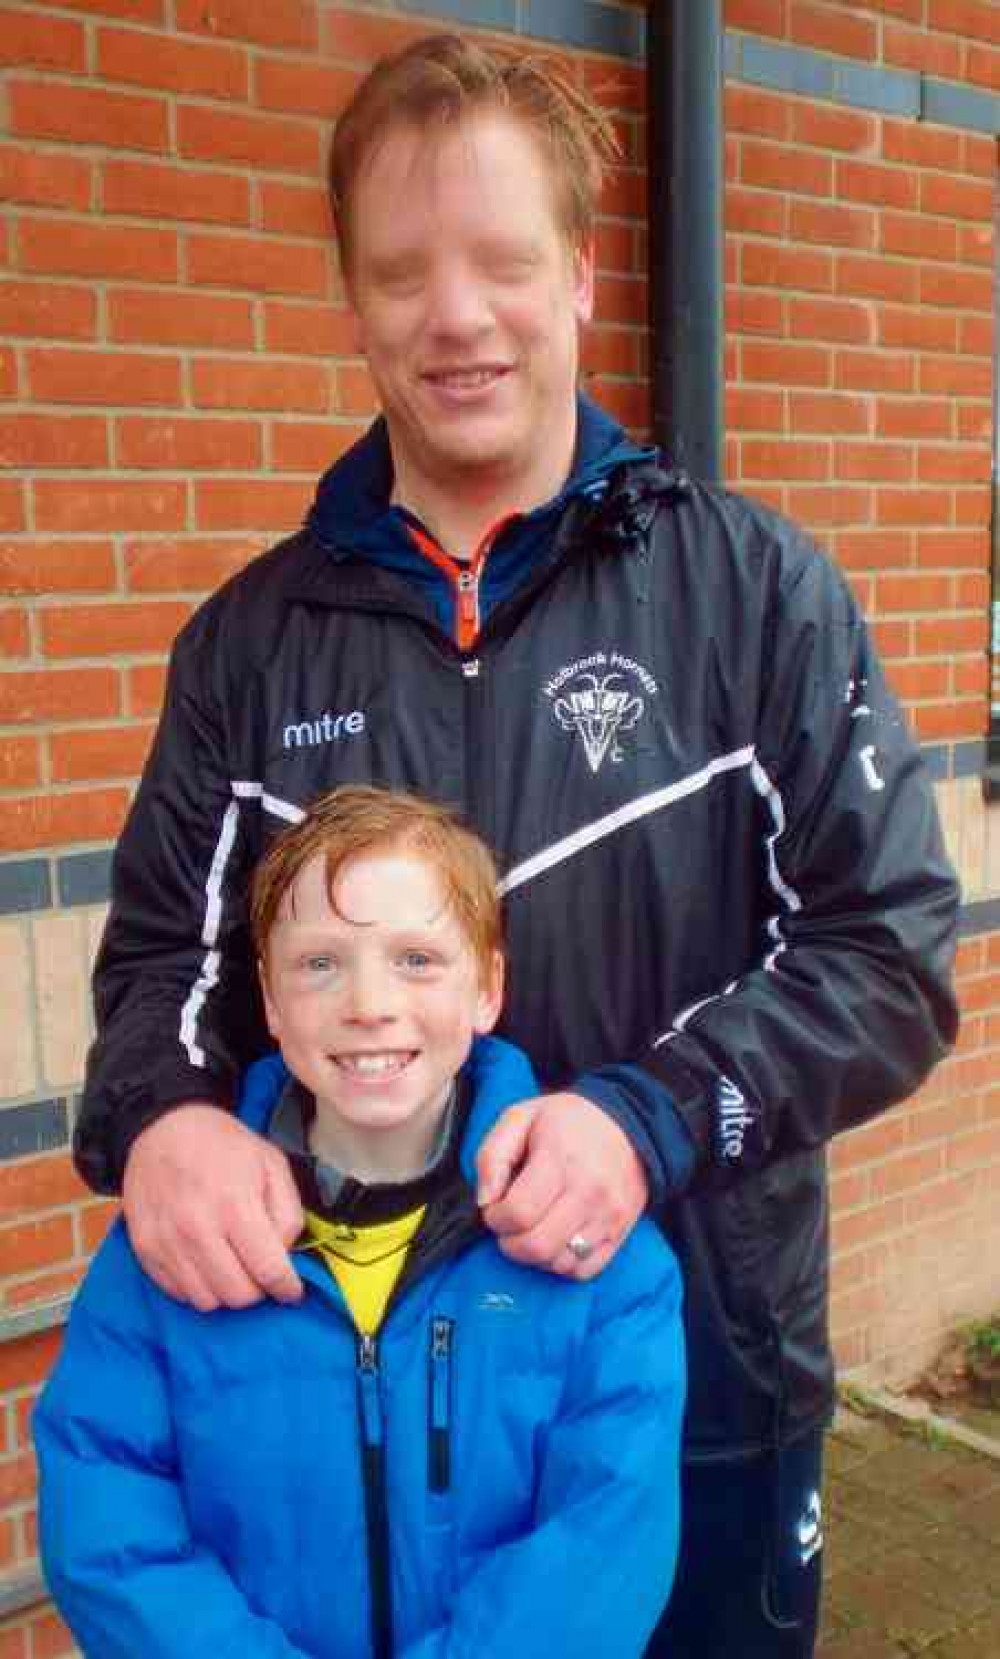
<point>982,1338</point>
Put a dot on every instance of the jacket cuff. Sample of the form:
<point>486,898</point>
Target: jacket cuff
<point>106,1132</point>
<point>645,1110</point>
<point>724,1120</point>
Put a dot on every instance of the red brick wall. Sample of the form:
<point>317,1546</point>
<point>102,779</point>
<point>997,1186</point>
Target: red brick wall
<point>916,1199</point>
<point>178,363</point>
<point>860,367</point>
<point>860,252</point>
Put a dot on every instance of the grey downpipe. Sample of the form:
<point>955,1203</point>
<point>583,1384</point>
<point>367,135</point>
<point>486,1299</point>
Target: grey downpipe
<point>685,60</point>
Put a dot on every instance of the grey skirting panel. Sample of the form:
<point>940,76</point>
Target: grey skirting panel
<point>44,1316</point>
<point>979,916</point>
<point>907,93</point>
<point>18,1594</point>
<point>591,25</point>
<point>33,1126</point>
<point>620,31</point>
<point>39,883</point>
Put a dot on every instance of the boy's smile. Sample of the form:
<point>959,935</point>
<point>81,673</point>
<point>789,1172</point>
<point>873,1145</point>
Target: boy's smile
<point>375,999</point>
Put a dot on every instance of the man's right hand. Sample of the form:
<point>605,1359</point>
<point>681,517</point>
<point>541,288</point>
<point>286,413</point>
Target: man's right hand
<point>211,1210</point>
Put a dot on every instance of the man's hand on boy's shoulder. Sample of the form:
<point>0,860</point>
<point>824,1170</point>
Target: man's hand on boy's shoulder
<point>211,1210</point>
<point>560,1185</point>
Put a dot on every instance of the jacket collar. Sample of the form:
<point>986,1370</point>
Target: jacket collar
<point>495,1076</point>
<point>352,513</point>
<point>336,1196</point>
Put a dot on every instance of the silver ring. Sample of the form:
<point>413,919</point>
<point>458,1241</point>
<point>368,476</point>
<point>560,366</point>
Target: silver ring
<point>580,1247</point>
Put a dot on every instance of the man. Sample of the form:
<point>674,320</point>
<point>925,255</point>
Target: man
<point>729,913</point>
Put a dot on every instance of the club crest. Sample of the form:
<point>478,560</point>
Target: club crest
<point>596,700</point>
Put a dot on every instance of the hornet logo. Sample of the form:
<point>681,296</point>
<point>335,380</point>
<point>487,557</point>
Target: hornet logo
<point>593,700</point>
<point>597,711</point>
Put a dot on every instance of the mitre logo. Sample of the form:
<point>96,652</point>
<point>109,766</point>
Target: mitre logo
<point>739,1128</point>
<point>325,728</point>
<point>599,700</point>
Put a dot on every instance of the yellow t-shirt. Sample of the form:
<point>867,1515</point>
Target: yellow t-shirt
<point>365,1261</point>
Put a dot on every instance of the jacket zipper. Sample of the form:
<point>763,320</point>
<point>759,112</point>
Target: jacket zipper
<point>439,1429</point>
<point>376,1508</point>
<point>468,606</point>
<point>479,759</point>
<point>478,795</point>
<point>372,1422</point>
<point>464,578</point>
<point>371,1419</point>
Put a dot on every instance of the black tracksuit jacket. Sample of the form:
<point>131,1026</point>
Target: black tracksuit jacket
<point>725,884</point>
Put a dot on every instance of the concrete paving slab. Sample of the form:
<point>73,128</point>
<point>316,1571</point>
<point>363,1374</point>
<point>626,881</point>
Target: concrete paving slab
<point>912,1543</point>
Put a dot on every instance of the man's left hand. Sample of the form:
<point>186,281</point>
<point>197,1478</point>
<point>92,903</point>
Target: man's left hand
<point>560,1185</point>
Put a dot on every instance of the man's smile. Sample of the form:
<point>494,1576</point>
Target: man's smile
<point>468,379</point>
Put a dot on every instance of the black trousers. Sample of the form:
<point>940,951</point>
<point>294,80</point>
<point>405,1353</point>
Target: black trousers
<point>750,1570</point>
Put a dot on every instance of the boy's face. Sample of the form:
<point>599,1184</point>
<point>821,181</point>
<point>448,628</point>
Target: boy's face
<point>374,1001</point>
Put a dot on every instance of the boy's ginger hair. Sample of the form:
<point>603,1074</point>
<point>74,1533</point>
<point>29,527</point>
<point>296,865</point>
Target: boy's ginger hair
<point>358,820</point>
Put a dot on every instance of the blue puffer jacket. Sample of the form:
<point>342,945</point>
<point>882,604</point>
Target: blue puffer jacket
<point>234,1485</point>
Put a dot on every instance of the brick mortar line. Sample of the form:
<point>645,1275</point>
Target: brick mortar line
<point>150,92</point>
<point>193,414</point>
<point>906,1234</point>
<point>164,291</point>
<point>101,475</point>
<point>767,238</point>
<point>895,1155</point>
<point>34,995</point>
<point>841,158</point>
<point>201,227</point>
<point>849,348</point>
<point>882,256</point>
<point>90,786</point>
<point>60,1097</point>
<point>177,98</point>
<point>854,158</point>
<point>124,780</point>
<point>240,414</point>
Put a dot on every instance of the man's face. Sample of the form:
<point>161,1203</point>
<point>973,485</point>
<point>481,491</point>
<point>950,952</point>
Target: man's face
<point>375,1001</point>
<point>469,300</point>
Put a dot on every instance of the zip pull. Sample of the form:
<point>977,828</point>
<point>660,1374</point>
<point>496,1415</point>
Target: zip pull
<point>464,578</point>
<point>439,1435</point>
<point>470,669</point>
<point>376,1509</point>
<point>468,606</point>
<point>368,1390</point>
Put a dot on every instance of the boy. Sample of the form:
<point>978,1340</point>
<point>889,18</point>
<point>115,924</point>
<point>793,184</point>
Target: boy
<point>438,1452</point>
